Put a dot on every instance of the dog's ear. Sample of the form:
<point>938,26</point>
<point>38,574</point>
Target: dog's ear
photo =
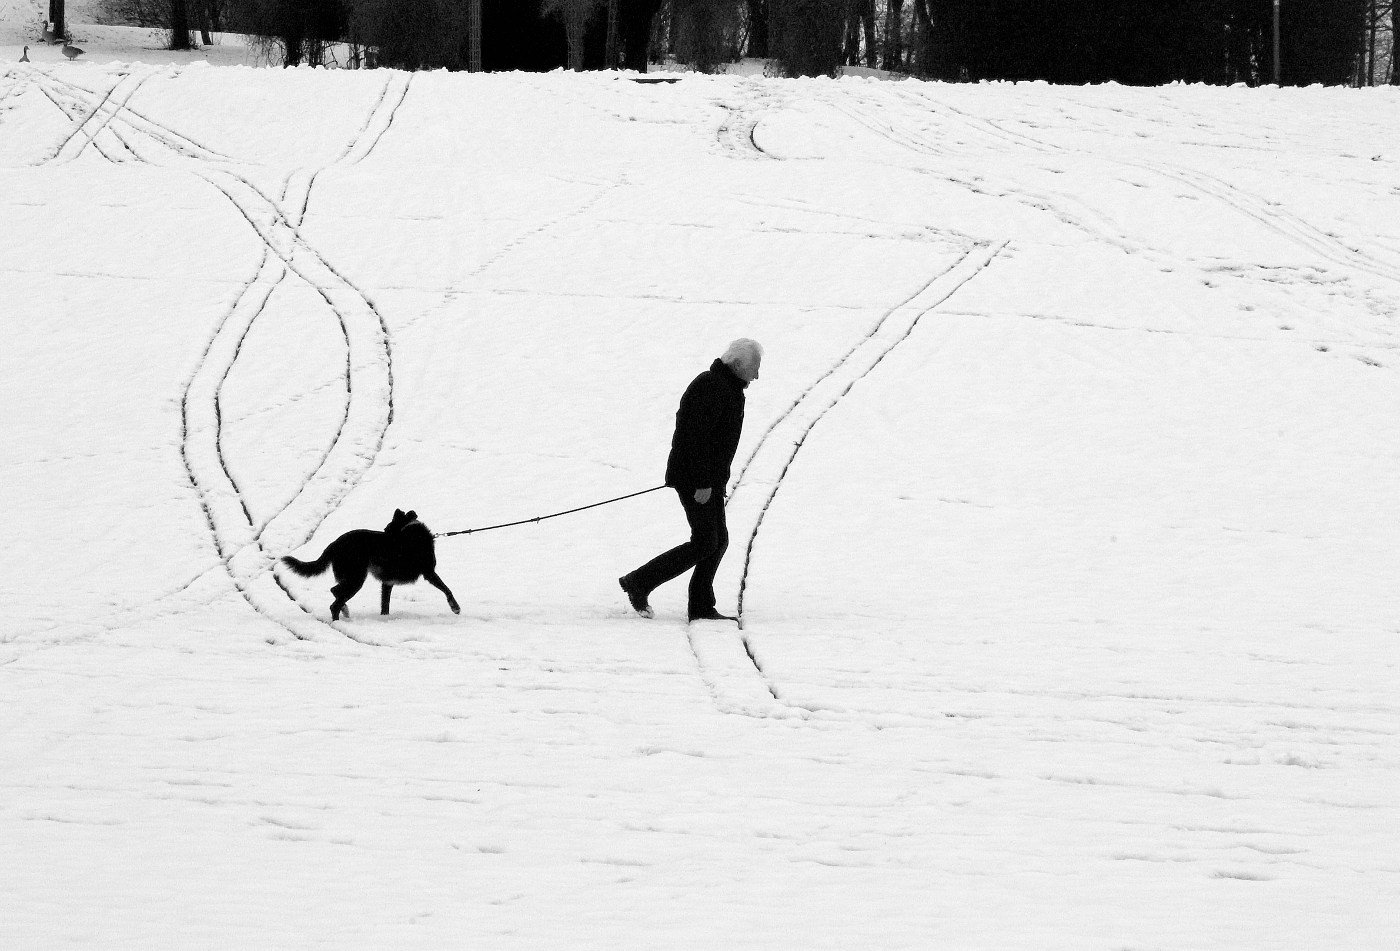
<point>398,513</point>
<point>411,516</point>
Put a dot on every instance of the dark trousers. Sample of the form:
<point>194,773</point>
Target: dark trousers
<point>709,537</point>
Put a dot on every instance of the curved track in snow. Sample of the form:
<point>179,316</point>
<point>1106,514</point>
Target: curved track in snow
<point>247,549</point>
<point>738,133</point>
<point>761,476</point>
<point>1268,214</point>
<point>778,447</point>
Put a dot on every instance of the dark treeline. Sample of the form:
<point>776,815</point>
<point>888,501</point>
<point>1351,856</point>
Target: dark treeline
<point>1142,42</point>
<point>1131,41</point>
<point>433,34</point>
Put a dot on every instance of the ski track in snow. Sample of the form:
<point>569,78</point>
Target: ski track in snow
<point>736,135</point>
<point>738,132</point>
<point>1270,215</point>
<point>716,654</point>
<point>12,81</point>
<point>248,551</point>
<point>1085,219</point>
<point>761,475</point>
<point>93,113</point>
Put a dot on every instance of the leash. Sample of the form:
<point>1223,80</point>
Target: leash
<point>541,518</point>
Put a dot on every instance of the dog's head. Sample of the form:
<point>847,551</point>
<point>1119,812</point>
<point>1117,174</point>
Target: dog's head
<point>400,521</point>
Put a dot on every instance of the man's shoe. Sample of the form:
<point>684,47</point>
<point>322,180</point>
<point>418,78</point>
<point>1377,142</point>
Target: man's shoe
<point>636,597</point>
<point>711,615</point>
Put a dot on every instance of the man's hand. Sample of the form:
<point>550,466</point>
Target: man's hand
<point>702,496</point>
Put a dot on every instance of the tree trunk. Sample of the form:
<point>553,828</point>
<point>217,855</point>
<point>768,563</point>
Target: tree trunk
<point>610,46</point>
<point>1278,45</point>
<point>867,20</point>
<point>292,34</point>
<point>758,28</point>
<point>850,55</point>
<point>1361,44</point>
<point>576,27</point>
<point>860,32</point>
<point>634,23</point>
<point>179,25</point>
<point>1371,46</point>
<point>894,30</point>
<point>473,36</point>
<point>1394,36</point>
<point>58,16</point>
<point>923,39</point>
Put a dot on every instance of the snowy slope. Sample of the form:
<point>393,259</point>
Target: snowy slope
<point>1065,517</point>
<point>21,20</point>
<point>22,23</point>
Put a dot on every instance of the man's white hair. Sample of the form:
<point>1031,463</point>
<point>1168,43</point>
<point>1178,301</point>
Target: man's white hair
<point>743,352</point>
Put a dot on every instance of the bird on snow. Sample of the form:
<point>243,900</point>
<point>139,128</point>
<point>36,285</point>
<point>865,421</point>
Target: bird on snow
<point>24,57</point>
<point>71,51</point>
<point>49,36</point>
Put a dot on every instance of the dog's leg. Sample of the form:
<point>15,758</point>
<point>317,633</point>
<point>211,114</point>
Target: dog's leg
<point>349,584</point>
<point>432,579</point>
<point>384,591</point>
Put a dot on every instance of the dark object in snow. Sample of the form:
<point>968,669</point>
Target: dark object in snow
<point>24,57</point>
<point>708,423</point>
<point>49,36</point>
<point>401,554</point>
<point>655,79</point>
<point>71,51</point>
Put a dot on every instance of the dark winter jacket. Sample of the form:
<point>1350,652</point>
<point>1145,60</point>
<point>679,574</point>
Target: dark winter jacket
<point>708,423</point>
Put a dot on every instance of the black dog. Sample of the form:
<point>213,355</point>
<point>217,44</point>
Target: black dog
<point>401,554</point>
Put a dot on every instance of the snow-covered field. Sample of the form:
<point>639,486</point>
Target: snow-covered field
<point>1067,528</point>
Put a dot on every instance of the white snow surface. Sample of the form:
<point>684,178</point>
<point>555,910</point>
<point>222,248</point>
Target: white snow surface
<point>1066,513</point>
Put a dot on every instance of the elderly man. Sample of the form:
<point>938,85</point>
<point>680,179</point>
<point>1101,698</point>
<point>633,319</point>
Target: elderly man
<point>708,424</point>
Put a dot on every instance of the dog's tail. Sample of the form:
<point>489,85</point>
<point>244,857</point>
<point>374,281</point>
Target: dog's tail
<point>308,569</point>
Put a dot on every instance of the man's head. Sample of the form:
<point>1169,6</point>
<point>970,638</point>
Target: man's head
<point>743,357</point>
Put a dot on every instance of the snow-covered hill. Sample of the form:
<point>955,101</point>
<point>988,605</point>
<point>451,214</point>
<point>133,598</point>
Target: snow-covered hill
<point>1065,516</point>
<point>21,20</point>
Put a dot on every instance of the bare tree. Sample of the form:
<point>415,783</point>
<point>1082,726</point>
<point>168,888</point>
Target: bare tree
<point>294,31</point>
<point>636,20</point>
<point>805,36</point>
<point>611,42</point>
<point>1379,52</point>
<point>707,32</point>
<point>474,36</point>
<point>205,16</point>
<point>924,60</point>
<point>1394,34</point>
<point>860,33</point>
<point>422,34</point>
<point>758,28</point>
<point>894,35</point>
<point>209,15</point>
<point>575,15</point>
